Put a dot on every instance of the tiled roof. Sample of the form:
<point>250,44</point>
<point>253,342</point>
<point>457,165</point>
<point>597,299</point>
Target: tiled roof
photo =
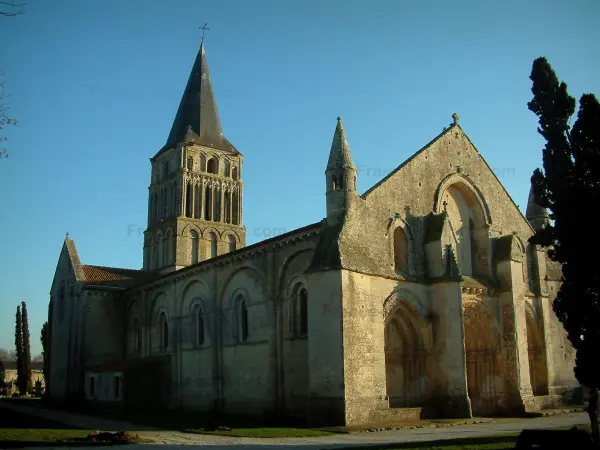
<point>109,276</point>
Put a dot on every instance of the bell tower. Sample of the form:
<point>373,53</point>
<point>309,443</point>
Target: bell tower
<point>196,188</point>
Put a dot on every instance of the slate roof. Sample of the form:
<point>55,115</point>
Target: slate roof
<point>197,118</point>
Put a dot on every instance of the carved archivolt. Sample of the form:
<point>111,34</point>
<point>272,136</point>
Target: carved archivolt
<point>466,182</point>
<point>407,298</point>
<point>481,331</point>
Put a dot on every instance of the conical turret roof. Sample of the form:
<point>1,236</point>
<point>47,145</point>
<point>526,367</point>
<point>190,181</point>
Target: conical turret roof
<point>198,111</point>
<point>340,156</point>
<point>536,214</point>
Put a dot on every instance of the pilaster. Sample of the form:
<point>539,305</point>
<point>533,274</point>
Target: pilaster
<point>450,395</point>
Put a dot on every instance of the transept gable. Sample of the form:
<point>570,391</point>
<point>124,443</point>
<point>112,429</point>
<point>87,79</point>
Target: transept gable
<point>450,157</point>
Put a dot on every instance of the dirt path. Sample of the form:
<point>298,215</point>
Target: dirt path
<point>173,439</point>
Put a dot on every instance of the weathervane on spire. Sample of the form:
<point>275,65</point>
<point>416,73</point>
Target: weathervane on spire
<point>203,28</point>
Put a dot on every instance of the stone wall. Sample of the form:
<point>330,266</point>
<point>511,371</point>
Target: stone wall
<point>224,368</point>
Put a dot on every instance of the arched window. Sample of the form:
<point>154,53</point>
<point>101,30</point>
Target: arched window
<point>226,167</point>
<point>213,165</point>
<point>202,161</point>
<point>208,203</point>
<point>468,233</point>
<point>227,206</point>
<point>235,208</point>
<point>163,331</point>
<point>137,330</point>
<point>334,182</point>
<point>235,173</point>
<point>242,318</point>
<point>231,241</point>
<point>190,163</point>
<point>217,202</point>
<point>302,312</point>
<point>341,182</point>
<point>199,326</point>
<point>213,244</point>
<point>189,206</point>
<point>195,246</point>
<point>400,250</point>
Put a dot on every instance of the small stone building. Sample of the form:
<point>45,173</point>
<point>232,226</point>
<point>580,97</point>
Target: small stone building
<point>418,298</point>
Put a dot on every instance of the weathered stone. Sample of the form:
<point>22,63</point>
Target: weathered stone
<point>420,298</point>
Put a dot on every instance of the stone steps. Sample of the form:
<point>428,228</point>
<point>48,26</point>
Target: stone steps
<point>397,415</point>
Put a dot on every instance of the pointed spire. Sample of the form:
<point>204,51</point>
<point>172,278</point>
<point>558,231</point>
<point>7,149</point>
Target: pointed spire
<point>537,216</point>
<point>340,156</point>
<point>198,110</point>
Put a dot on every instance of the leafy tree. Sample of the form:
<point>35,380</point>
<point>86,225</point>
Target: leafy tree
<point>21,383</point>
<point>569,186</point>
<point>26,348</point>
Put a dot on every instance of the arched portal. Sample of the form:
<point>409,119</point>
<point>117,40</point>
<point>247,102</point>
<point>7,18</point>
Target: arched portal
<point>406,358</point>
<point>483,357</point>
<point>468,234</point>
<point>538,368</point>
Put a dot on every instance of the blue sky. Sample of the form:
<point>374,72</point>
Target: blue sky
<point>96,85</point>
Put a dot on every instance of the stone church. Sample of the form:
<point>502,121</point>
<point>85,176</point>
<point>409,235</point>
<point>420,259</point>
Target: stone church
<point>420,297</point>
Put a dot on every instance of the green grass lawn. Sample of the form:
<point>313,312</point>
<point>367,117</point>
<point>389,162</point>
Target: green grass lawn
<point>190,422</point>
<point>20,430</point>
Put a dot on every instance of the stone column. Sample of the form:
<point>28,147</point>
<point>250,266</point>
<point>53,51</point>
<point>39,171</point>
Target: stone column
<point>326,362</point>
<point>273,306</point>
<point>193,199</point>
<point>449,377</point>
<point>513,330</point>
<point>230,194</point>
<point>184,197</point>
<point>240,201</point>
<point>203,195</point>
<point>222,202</point>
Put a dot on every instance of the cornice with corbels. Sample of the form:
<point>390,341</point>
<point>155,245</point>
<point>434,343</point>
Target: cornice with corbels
<point>224,260</point>
<point>93,293</point>
<point>477,291</point>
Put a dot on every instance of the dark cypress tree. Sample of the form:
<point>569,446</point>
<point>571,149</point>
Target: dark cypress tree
<point>26,348</point>
<point>569,187</point>
<point>44,338</point>
<point>19,351</point>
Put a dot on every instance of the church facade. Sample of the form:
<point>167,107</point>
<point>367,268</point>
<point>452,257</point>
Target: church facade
<point>419,298</point>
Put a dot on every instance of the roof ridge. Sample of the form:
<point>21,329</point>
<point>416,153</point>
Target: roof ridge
<point>109,267</point>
